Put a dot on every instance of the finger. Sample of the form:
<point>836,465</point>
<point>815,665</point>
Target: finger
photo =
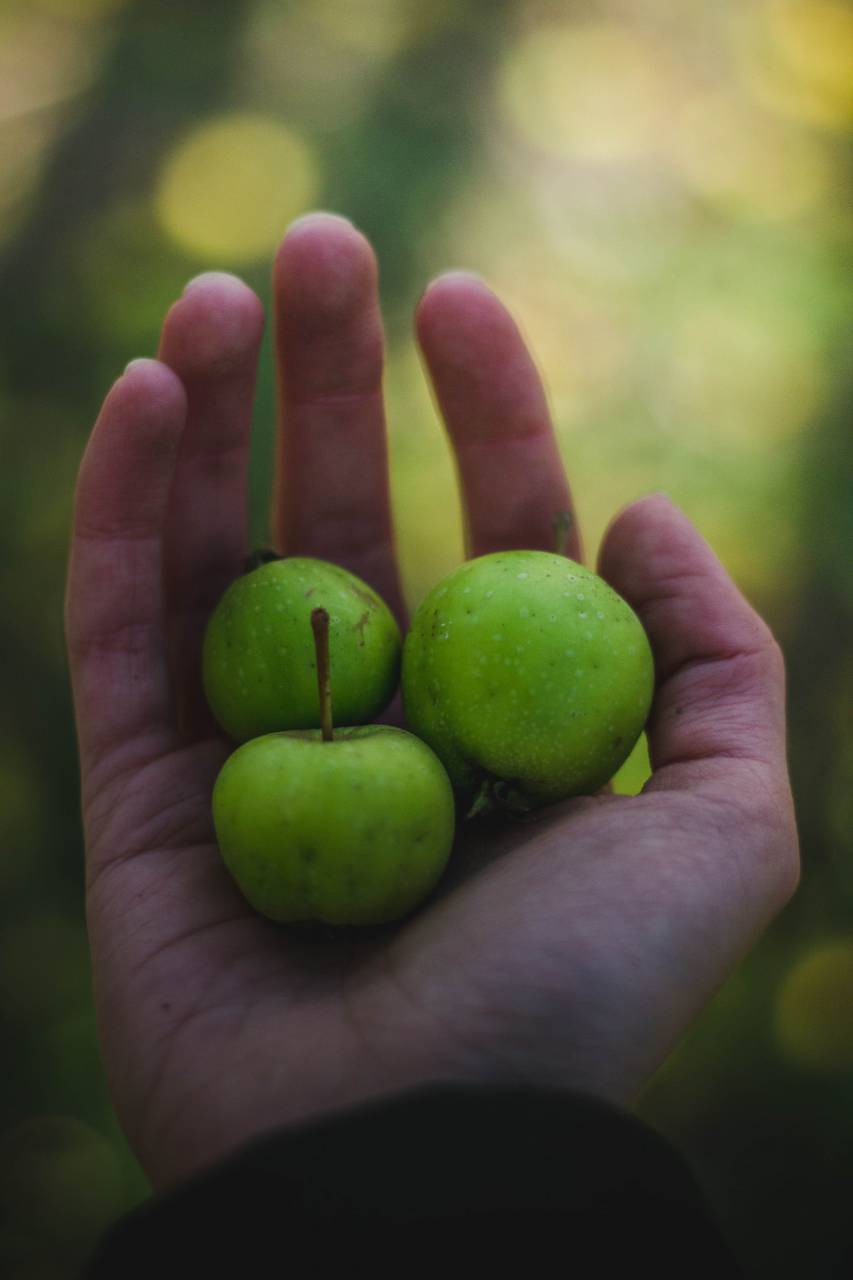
<point>332,495</point>
<point>114,610</point>
<point>514,489</point>
<point>719,710</point>
<point>211,339</point>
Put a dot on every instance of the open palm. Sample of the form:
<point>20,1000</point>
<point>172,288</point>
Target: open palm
<point>570,951</point>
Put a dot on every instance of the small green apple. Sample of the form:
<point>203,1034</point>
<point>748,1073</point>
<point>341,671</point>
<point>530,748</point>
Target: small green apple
<point>347,828</point>
<point>258,663</point>
<point>356,830</point>
<point>529,677</point>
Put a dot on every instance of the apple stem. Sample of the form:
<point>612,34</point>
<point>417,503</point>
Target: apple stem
<point>261,555</point>
<point>320,627</point>
<point>561,524</point>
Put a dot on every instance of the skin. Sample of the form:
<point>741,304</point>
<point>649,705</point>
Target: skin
<point>573,951</point>
<point>526,670</point>
<point>354,831</point>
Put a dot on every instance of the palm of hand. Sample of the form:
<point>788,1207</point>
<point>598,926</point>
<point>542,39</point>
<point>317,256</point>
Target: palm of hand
<point>571,950</point>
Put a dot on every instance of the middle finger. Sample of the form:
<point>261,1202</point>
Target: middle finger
<point>332,497</point>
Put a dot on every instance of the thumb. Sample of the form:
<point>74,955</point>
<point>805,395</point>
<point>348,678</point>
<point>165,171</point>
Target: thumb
<point>718,719</point>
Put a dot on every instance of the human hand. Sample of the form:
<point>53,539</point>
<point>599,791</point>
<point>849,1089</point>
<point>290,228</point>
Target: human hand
<point>572,951</point>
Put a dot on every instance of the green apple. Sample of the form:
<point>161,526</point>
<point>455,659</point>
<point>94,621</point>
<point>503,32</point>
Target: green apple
<point>258,663</point>
<point>529,677</point>
<point>356,830</point>
<point>353,827</point>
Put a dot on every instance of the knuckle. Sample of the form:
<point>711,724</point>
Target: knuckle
<point>761,663</point>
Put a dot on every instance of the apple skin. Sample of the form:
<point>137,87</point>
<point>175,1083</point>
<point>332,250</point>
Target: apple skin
<point>356,831</point>
<point>529,677</point>
<point>259,667</point>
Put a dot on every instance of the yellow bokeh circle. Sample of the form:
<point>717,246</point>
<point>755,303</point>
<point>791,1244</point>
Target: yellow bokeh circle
<point>796,57</point>
<point>815,39</point>
<point>229,188</point>
<point>814,1010</point>
<point>597,92</point>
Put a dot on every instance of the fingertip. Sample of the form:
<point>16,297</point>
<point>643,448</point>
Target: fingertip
<point>217,280</point>
<point>450,283</point>
<point>642,535</point>
<point>319,218</point>
<point>213,326</point>
<point>493,402</point>
<point>129,457</point>
<point>656,500</point>
<point>151,385</point>
<point>324,265</point>
<point>451,299</point>
<point>470,339</point>
<point>655,558</point>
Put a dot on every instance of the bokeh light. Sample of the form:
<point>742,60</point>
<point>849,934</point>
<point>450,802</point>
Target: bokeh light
<point>344,48</point>
<point>797,57</point>
<point>230,186</point>
<point>44,65</point>
<point>814,1010</point>
<point>600,92</point>
<point>377,27</point>
<point>747,163</point>
<point>739,372</point>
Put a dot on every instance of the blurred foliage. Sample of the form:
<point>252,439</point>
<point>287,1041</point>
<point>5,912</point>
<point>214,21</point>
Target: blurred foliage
<point>661,191</point>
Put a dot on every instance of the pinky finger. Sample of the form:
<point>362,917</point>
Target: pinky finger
<point>114,608</point>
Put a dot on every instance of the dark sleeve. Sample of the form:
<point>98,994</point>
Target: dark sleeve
<point>437,1178</point>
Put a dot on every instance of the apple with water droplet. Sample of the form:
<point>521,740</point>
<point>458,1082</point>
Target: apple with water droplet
<point>529,677</point>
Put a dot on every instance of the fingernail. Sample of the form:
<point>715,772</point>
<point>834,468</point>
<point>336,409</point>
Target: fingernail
<point>220,277</point>
<point>319,215</point>
<point>456,275</point>
<point>460,273</point>
<point>139,360</point>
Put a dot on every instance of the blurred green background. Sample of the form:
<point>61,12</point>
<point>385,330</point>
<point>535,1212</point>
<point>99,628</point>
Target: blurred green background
<point>661,191</point>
